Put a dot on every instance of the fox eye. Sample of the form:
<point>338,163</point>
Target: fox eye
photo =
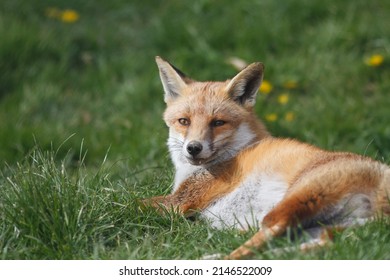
<point>217,123</point>
<point>184,121</point>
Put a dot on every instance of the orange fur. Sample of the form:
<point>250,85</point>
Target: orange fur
<point>317,180</point>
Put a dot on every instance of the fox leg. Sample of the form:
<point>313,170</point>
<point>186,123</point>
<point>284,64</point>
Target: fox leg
<point>321,188</point>
<point>161,203</point>
<point>297,207</point>
<point>323,237</point>
<point>255,242</point>
<point>166,203</point>
<point>289,212</point>
<point>156,201</point>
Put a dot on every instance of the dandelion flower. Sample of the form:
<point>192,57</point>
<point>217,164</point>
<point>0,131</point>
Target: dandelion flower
<point>283,98</point>
<point>290,116</point>
<point>69,16</point>
<point>290,84</point>
<point>266,87</point>
<point>375,60</point>
<point>271,117</point>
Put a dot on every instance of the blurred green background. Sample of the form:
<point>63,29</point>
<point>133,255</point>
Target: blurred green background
<point>79,87</point>
<point>86,68</point>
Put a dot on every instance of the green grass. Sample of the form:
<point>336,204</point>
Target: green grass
<point>81,135</point>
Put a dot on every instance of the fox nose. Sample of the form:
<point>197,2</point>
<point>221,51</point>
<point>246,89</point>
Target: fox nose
<point>194,148</point>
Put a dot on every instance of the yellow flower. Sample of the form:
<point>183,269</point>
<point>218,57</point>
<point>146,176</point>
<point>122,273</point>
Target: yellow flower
<point>69,16</point>
<point>290,116</point>
<point>265,87</point>
<point>271,117</point>
<point>375,60</point>
<point>283,98</point>
<point>290,84</point>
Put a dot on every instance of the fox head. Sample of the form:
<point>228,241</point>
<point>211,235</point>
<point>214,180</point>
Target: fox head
<point>210,122</point>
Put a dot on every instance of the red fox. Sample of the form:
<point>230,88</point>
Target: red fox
<point>233,173</point>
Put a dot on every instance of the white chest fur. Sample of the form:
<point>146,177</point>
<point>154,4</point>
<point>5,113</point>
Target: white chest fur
<point>247,205</point>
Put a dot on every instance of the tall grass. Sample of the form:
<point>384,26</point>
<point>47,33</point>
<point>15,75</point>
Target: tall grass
<point>94,78</point>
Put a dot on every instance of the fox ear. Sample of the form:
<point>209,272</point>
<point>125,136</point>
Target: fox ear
<point>244,86</point>
<point>173,80</point>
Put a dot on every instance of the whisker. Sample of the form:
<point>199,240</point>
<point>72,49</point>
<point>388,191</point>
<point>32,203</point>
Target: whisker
<point>220,140</point>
